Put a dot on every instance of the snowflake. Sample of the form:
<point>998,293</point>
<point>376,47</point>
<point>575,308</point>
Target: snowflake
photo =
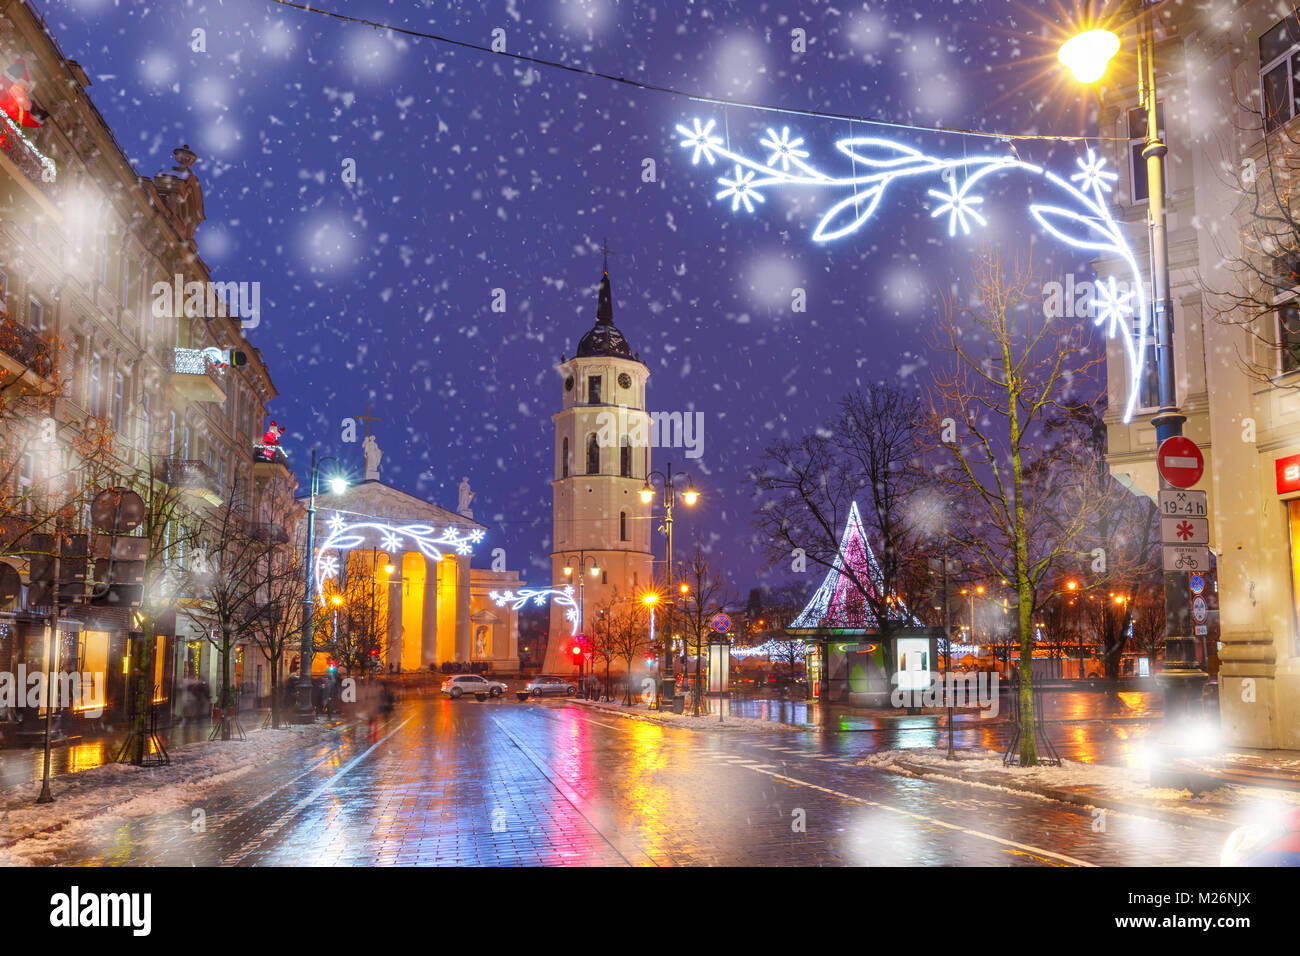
<point>335,523</point>
<point>329,564</point>
<point>783,148</point>
<point>1112,306</point>
<point>701,140</point>
<point>959,206</point>
<point>1092,175</point>
<point>476,536</point>
<point>740,190</point>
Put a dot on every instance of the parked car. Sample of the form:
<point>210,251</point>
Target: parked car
<point>544,686</point>
<point>1271,842</point>
<point>459,685</point>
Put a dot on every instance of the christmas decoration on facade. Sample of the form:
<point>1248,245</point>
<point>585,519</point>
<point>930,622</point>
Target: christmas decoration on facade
<point>561,596</point>
<point>345,535</point>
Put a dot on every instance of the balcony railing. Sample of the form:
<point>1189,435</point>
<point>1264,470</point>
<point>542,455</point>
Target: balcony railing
<point>265,531</point>
<point>195,376</point>
<point>24,348</point>
<point>18,147</point>
<point>190,475</point>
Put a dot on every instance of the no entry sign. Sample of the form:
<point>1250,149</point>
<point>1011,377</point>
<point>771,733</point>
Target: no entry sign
<point>1180,462</point>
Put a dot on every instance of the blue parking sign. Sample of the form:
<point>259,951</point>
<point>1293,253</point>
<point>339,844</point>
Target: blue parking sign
<point>1198,583</point>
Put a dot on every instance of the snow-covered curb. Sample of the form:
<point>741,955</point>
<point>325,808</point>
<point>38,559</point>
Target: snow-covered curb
<point>31,833</point>
<point>1089,785</point>
<point>703,722</point>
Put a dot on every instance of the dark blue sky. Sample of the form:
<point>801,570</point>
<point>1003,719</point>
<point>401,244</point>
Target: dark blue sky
<point>476,172</point>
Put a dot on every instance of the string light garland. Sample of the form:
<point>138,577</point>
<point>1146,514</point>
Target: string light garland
<point>561,596</point>
<point>1085,224</point>
<point>344,535</point>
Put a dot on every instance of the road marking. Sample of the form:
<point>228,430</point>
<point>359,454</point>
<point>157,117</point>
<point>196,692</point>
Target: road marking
<point>980,834</point>
<point>239,855</point>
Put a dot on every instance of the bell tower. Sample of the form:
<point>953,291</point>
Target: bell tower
<point>602,457</point>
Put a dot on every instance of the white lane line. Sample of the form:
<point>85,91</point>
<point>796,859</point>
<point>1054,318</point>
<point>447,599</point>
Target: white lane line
<point>238,856</point>
<point>980,834</point>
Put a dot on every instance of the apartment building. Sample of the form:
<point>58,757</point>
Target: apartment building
<point>86,245</point>
<point>1228,80</point>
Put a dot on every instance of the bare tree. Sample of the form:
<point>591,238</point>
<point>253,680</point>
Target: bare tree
<point>627,626</point>
<point>1008,369</point>
<point>701,595</point>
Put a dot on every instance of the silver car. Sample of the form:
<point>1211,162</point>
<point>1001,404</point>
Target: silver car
<point>461,684</point>
<point>546,686</point>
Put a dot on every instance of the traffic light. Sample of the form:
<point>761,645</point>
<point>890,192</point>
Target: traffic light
<point>331,666</point>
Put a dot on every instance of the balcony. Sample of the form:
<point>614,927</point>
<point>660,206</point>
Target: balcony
<point>191,476</point>
<point>25,355</point>
<point>265,531</point>
<point>270,461</point>
<point>194,376</point>
<point>27,179</point>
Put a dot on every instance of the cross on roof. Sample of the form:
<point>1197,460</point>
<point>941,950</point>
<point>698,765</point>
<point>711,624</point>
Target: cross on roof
<point>606,250</point>
<point>368,419</point>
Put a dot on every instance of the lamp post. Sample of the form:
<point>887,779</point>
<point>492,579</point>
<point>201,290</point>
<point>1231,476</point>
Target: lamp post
<point>689,497</point>
<point>305,714</point>
<point>1087,55</point>
<point>582,587</point>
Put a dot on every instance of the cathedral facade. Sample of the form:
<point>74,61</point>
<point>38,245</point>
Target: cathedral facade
<point>602,459</point>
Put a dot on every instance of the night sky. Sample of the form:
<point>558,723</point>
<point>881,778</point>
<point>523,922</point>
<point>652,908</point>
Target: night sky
<point>476,172</point>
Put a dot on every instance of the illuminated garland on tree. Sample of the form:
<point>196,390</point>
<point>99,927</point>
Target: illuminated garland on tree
<point>1087,225</point>
<point>346,535</point>
<point>561,596</point>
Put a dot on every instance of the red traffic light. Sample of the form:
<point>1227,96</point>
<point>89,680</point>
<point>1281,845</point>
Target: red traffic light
<point>374,652</point>
<point>577,649</point>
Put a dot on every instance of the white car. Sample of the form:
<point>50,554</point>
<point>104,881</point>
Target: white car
<point>461,684</point>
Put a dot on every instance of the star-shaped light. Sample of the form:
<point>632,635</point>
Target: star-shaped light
<point>701,139</point>
<point>740,190</point>
<point>476,536</point>
<point>391,542</point>
<point>783,148</point>
<point>335,523</point>
<point>329,564</point>
<point>958,205</point>
<point>1112,306</point>
<point>1093,175</point>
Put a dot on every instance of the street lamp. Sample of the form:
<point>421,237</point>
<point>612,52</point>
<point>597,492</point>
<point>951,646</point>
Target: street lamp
<point>306,714</point>
<point>689,496</point>
<point>1181,676</point>
<point>582,588</point>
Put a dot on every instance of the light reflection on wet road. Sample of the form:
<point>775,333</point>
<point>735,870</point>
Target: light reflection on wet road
<point>501,782</point>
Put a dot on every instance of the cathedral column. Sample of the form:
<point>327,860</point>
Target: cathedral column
<point>463,626</point>
<point>429,628</point>
<point>394,655</point>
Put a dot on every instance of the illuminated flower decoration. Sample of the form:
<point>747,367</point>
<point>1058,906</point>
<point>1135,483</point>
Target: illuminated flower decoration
<point>561,596</point>
<point>958,205</point>
<point>740,189</point>
<point>344,536</point>
<point>881,166</point>
<point>1093,174</point>
<point>701,139</point>
<point>783,148</point>
<point>1113,308</point>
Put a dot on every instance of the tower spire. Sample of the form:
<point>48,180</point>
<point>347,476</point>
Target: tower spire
<point>605,305</point>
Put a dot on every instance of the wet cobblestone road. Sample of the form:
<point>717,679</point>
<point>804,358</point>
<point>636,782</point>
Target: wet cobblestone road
<point>504,783</point>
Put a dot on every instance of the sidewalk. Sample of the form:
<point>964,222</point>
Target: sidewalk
<point>1272,784</point>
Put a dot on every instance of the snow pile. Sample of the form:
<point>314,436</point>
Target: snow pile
<point>1098,784</point>
<point>31,833</point>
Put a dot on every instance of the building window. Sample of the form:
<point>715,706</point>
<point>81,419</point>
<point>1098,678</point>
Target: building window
<point>604,577</point>
<point>1137,141</point>
<point>1279,64</point>
<point>622,526</point>
<point>117,403</point>
<point>1287,328</point>
<point>146,421</point>
<point>35,315</point>
<point>593,455</point>
<point>4,292</point>
<point>96,365</point>
<point>593,390</point>
<point>624,458</point>
<point>564,459</point>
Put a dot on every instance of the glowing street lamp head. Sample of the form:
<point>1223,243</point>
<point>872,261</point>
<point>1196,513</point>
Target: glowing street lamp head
<point>647,493</point>
<point>568,571</point>
<point>595,571</point>
<point>336,599</point>
<point>389,569</point>
<point>690,495</point>
<point>1087,54</point>
<point>1073,585</point>
<point>338,485</point>
<point>650,599</point>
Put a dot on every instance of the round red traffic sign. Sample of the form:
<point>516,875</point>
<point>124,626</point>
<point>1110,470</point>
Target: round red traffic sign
<point>1180,462</point>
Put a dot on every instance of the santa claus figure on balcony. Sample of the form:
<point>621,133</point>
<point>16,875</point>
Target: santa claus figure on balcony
<point>17,85</point>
